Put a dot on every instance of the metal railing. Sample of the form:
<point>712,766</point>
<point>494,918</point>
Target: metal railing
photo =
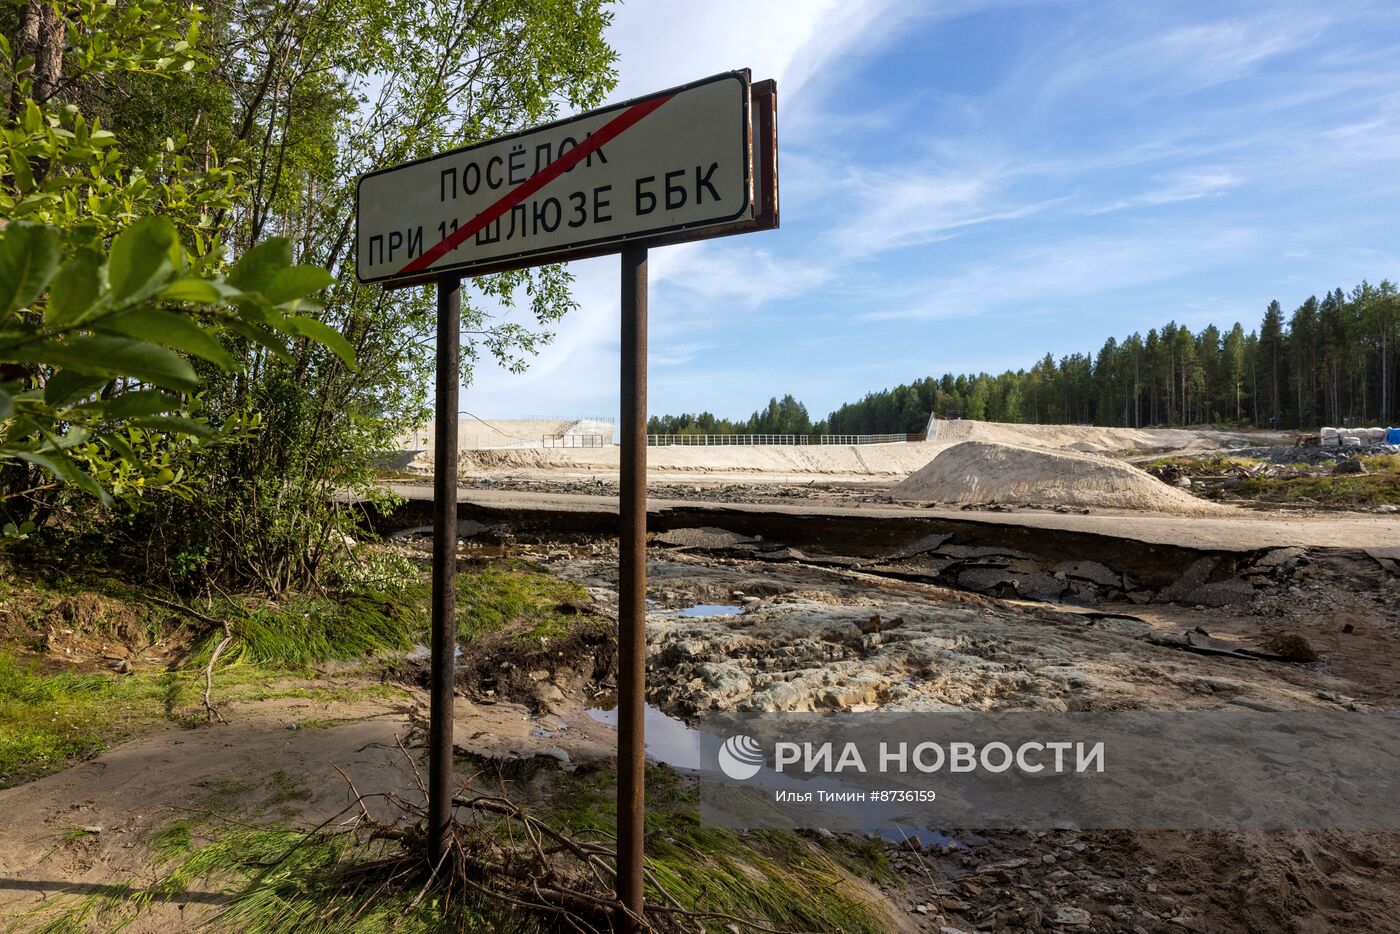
<point>702,440</point>
<point>868,439</point>
<point>576,441</point>
<point>488,442</point>
<point>568,418</point>
<point>717,440</point>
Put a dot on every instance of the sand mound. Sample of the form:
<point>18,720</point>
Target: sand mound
<point>987,472</point>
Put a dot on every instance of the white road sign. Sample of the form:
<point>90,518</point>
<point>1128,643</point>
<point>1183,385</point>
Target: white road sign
<point>677,165</point>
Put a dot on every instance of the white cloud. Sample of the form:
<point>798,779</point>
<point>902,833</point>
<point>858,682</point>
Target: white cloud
<point>1074,268</point>
<point>893,210</point>
<point>1187,185</point>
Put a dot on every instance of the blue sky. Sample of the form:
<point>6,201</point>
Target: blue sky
<point>968,185</point>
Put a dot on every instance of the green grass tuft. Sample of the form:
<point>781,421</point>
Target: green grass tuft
<point>503,593</point>
<point>290,882</point>
<point>1380,486</point>
<point>788,880</point>
<point>305,631</point>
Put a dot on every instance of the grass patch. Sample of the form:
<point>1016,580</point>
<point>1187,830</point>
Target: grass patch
<point>1345,490</point>
<point>791,881</point>
<point>50,720</point>
<point>278,880</point>
<point>304,630</point>
<point>494,596</point>
<point>1211,462</point>
<point>283,881</point>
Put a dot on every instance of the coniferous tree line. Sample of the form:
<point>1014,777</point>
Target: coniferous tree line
<point>1331,361</point>
<point>784,416</point>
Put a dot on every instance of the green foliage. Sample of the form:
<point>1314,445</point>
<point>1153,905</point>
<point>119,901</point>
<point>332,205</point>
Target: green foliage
<point>287,882</point>
<point>784,879</point>
<point>284,881</point>
<point>781,417</point>
<point>174,373</point>
<point>320,95</point>
<point>102,307</point>
<point>126,322</point>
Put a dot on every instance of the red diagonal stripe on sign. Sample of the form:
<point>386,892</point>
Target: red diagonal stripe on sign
<point>591,144</point>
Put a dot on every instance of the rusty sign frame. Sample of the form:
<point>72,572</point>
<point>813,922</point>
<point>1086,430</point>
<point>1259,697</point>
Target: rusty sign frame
<point>761,134</point>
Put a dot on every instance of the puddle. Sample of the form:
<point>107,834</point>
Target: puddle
<point>670,741</point>
<point>421,653</point>
<point>706,609</point>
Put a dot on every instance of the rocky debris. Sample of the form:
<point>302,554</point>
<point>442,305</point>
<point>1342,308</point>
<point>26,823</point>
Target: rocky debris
<point>1014,881</point>
<point>922,546</point>
<point>1093,572</point>
<point>1071,916</point>
<point>1280,649</point>
<point>1292,647</point>
<point>466,528</point>
<point>1193,578</point>
<point>1214,477</point>
<point>826,653</point>
<point>1312,455</point>
<point>1280,557</point>
<point>781,553</point>
<point>1005,572</point>
<point>708,538</point>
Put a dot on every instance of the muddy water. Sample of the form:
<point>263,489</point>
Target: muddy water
<point>707,609</point>
<point>670,741</point>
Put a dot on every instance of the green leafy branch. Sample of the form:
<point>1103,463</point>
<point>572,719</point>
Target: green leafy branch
<point>92,347</point>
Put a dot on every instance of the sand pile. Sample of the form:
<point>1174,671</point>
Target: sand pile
<point>987,472</point>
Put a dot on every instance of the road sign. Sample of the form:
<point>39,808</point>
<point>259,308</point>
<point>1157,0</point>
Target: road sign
<point>694,162</point>
<point>669,167</point>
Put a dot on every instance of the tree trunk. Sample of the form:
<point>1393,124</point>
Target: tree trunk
<point>40,35</point>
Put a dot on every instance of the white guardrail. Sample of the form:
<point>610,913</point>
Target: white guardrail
<point>576,441</point>
<point>700,440</point>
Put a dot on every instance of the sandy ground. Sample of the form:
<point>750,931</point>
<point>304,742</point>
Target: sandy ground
<point>83,831</point>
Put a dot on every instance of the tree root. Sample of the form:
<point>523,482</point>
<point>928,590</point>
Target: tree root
<point>211,713</point>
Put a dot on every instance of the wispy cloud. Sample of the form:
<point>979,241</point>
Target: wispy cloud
<point>1054,270</point>
<point>894,210</point>
<point>1188,185</point>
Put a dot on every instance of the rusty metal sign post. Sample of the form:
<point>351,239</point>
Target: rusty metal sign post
<point>690,163</point>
